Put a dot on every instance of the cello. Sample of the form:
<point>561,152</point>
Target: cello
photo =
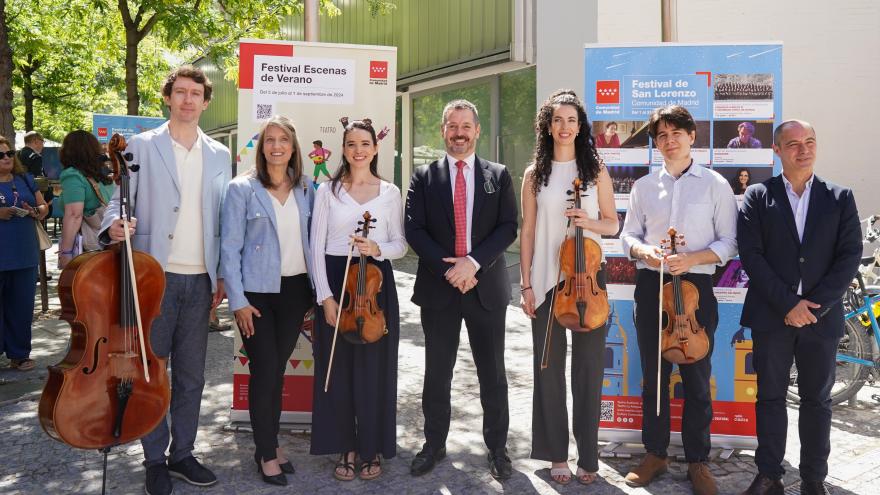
<point>683,339</point>
<point>579,303</point>
<point>110,388</point>
<point>360,319</point>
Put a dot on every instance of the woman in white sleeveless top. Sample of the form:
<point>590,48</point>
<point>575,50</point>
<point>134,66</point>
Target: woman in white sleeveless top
<point>564,149</point>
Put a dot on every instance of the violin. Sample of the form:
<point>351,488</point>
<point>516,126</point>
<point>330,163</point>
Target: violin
<point>110,388</point>
<point>581,304</point>
<point>683,339</point>
<point>362,321</point>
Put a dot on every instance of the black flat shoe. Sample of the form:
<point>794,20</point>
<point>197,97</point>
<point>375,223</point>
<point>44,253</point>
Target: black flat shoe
<point>425,460</point>
<point>499,464</point>
<point>275,479</point>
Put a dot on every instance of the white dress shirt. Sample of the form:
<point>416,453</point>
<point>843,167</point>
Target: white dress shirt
<point>699,204</point>
<point>799,206</point>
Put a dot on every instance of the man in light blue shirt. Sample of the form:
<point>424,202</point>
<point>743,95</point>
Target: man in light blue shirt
<point>699,204</point>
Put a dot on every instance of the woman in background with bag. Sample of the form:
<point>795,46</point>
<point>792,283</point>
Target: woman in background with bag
<point>19,256</point>
<point>85,191</point>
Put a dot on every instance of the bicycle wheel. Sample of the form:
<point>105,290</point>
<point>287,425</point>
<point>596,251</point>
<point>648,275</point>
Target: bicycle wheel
<point>849,377</point>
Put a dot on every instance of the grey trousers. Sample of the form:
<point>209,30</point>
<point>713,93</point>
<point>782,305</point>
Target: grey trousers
<point>180,332</point>
<point>549,410</point>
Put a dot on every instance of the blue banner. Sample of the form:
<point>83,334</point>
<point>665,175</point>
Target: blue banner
<point>734,93</point>
<point>104,126</point>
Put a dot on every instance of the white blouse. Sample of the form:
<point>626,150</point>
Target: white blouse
<point>550,225</point>
<point>293,260</point>
<point>335,218</point>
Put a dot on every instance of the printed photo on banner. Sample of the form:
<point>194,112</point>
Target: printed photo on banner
<point>611,243</point>
<point>742,142</point>
<point>742,177</point>
<point>747,96</point>
<point>620,270</point>
<point>621,142</point>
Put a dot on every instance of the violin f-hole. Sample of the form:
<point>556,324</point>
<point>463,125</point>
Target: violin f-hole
<point>98,342</point>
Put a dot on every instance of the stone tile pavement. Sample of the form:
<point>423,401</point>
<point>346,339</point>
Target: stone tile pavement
<point>32,463</point>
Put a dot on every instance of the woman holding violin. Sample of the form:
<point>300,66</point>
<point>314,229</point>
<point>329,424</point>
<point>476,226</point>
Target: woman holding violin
<point>355,396</point>
<point>682,201</point>
<point>265,260</point>
<point>564,153</point>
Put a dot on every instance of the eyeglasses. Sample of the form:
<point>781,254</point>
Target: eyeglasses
<point>7,154</point>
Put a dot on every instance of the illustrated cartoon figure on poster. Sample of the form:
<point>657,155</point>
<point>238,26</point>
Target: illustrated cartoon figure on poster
<point>319,157</point>
<point>745,381</point>
<point>616,358</point>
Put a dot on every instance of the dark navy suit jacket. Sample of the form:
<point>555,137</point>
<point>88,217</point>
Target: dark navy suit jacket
<point>430,231</point>
<point>776,260</point>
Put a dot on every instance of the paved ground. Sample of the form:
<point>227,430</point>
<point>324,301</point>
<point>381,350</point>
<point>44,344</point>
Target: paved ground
<point>32,463</point>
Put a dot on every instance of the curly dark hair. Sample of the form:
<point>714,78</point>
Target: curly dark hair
<point>588,162</point>
<point>82,151</point>
<point>344,170</point>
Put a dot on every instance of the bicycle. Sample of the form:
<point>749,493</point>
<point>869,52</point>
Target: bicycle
<point>858,353</point>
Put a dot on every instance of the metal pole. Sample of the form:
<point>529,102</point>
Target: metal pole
<point>310,17</point>
<point>669,20</point>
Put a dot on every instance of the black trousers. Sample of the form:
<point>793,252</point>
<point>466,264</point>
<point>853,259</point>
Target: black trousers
<point>485,329</point>
<point>813,351</point>
<point>697,416</point>
<point>269,348</point>
<point>549,408</point>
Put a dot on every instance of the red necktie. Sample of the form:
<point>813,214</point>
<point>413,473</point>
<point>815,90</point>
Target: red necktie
<point>459,204</point>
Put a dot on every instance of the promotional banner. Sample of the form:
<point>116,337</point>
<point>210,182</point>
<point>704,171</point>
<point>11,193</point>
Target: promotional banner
<point>104,126</point>
<point>321,87</point>
<point>734,93</point>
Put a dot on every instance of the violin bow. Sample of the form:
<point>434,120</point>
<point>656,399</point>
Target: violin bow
<point>134,290</point>
<point>659,336</point>
<point>338,316</point>
<point>545,354</point>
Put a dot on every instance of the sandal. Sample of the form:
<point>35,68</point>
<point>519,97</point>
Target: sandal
<point>585,477</point>
<point>366,471</point>
<point>25,364</point>
<point>561,475</point>
<point>346,466</point>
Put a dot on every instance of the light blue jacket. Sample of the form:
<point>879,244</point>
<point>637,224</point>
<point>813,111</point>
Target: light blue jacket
<point>250,258</point>
<point>155,195</point>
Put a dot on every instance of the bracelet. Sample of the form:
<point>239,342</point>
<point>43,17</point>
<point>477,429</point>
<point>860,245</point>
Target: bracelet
<point>69,253</point>
<point>525,288</point>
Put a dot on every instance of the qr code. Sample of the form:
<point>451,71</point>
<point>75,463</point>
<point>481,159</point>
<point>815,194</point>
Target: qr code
<point>264,111</point>
<point>606,411</point>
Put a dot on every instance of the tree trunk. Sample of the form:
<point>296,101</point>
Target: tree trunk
<point>27,91</point>
<point>7,129</point>
<point>131,70</point>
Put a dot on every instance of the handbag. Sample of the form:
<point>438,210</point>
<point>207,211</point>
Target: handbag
<point>91,225</point>
<point>42,236</point>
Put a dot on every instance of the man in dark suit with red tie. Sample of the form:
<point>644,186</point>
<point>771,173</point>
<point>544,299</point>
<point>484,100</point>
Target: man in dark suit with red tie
<point>460,218</point>
<point>800,243</point>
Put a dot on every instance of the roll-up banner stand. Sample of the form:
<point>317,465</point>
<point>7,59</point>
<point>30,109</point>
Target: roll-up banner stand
<point>318,86</point>
<point>723,86</point>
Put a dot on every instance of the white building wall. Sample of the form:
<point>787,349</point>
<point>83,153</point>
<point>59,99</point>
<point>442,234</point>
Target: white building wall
<point>831,67</point>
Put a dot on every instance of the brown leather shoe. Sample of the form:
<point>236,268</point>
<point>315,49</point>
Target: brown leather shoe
<point>765,485</point>
<point>702,479</point>
<point>651,467</point>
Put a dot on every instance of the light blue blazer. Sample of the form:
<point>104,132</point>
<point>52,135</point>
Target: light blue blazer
<point>250,258</point>
<point>155,195</point>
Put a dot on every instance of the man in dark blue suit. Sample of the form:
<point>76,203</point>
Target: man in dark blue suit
<point>800,243</point>
<point>460,218</point>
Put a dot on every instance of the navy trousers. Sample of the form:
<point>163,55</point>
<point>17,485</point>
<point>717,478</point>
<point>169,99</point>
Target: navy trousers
<point>17,291</point>
<point>180,333</point>
<point>813,350</point>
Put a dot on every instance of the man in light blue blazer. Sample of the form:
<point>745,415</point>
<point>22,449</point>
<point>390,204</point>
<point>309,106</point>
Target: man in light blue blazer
<point>176,196</point>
